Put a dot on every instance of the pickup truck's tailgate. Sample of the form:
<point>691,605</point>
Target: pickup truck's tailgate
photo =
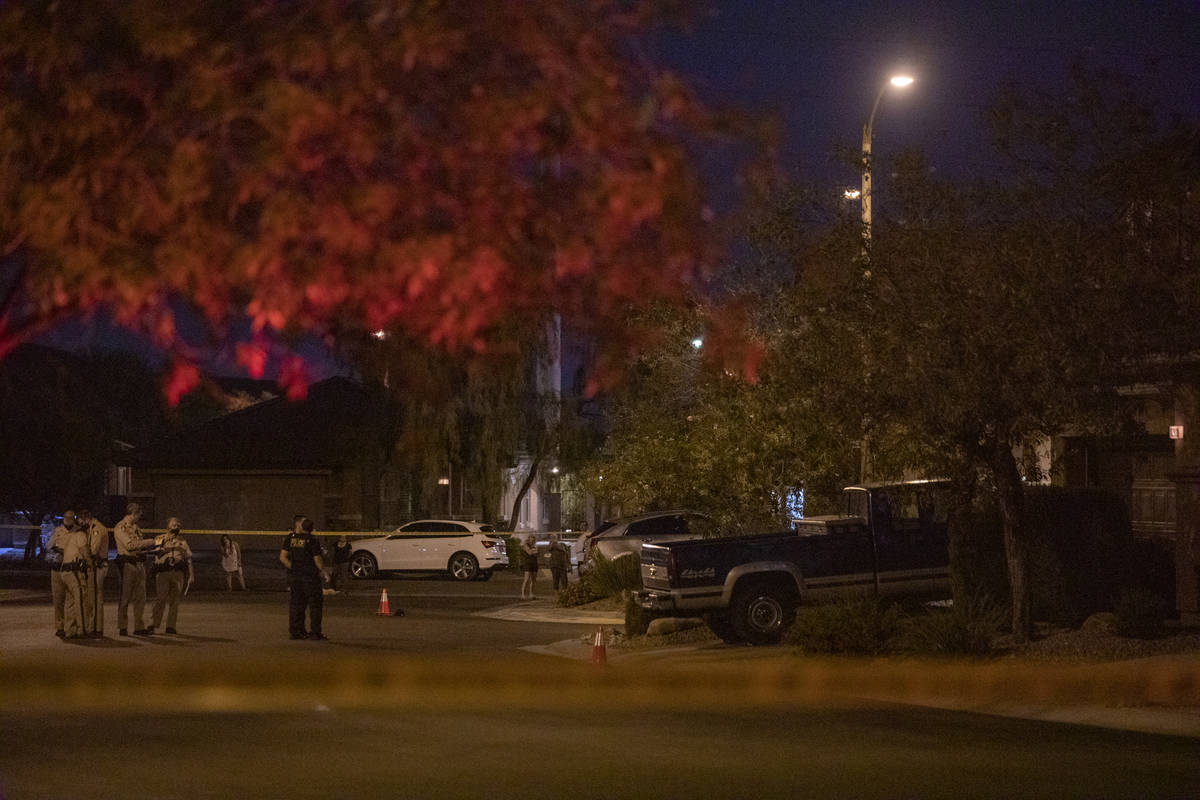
<point>654,567</point>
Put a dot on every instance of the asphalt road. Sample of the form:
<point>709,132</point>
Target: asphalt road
<point>440,618</point>
<point>444,702</point>
<point>593,752</point>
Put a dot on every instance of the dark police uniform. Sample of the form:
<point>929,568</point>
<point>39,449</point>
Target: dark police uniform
<point>304,583</point>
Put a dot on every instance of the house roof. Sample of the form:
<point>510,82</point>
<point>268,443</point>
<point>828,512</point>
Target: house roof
<point>320,432</point>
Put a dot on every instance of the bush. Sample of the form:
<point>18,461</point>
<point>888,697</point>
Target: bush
<point>636,618</point>
<point>512,548</point>
<point>967,629</point>
<point>578,594</point>
<point>1080,544</point>
<point>853,626</point>
<point>1140,614</point>
<point>608,578</point>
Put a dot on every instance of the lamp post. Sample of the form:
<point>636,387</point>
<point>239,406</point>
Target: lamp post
<point>900,82</point>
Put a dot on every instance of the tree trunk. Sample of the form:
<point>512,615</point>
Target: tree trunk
<point>1016,544</point>
<point>962,585</point>
<point>516,507</point>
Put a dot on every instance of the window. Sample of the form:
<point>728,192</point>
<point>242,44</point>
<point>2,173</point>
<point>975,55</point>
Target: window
<point>673,525</point>
<point>702,527</point>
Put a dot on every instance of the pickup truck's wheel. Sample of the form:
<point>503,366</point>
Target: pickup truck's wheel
<point>363,565</point>
<point>718,622</point>
<point>760,614</point>
<point>463,566</point>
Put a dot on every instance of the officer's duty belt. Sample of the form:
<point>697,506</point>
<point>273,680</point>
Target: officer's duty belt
<point>129,560</point>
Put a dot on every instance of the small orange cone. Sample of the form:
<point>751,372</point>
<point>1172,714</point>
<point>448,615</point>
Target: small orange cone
<point>383,606</point>
<point>599,651</point>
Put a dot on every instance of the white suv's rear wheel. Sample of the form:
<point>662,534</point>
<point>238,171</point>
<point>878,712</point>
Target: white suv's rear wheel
<point>463,566</point>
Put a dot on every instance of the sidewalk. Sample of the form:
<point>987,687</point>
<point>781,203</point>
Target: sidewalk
<point>1158,694</point>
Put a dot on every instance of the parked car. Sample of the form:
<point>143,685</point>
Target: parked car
<point>466,550</point>
<point>889,539</point>
<point>622,537</point>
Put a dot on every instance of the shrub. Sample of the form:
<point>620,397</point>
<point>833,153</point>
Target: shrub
<point>966,629</point>
<point>608,578</point>
<point>1080,541</point>
<point>578,594</point>
<point>636,618</point>
<point>1140,614</point>
<point>512,548</point>
<point>853,626</point>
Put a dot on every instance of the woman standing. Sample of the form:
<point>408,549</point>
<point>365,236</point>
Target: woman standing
<point>529,554</point>
<point>231,562</point>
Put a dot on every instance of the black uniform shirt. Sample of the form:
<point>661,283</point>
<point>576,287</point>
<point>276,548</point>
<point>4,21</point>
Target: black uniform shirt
<point>303,548</point>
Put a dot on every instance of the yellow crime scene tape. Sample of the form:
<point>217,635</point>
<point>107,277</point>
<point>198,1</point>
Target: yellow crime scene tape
<point>786,681</point>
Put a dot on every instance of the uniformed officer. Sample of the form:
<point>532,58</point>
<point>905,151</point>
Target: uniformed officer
<point>74,575</point>
<point>131,549</point>
<point>301,554</point>
<point>173,561</point>
<point>93,590</point>
<point>58,583</point>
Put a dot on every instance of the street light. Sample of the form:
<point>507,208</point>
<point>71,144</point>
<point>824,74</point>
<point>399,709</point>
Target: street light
<point>899,82</point>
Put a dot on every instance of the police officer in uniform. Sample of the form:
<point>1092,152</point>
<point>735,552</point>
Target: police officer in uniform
<point>93,590</point>
<point>301,554</point>
<point>173,561</point>
<point>74,574</point>
<point>58,582</point>
<point>131,549</point>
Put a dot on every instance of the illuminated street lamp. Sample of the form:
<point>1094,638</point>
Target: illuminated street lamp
<point>899,82</point>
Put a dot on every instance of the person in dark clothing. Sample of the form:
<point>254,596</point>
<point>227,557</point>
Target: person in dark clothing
<point>341,564</point>
<point>300,552</point>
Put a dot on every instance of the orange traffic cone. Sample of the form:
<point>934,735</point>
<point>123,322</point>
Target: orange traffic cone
<point>599,651</point>
<point>383,606</point>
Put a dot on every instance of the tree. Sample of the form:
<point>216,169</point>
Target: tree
<point>999,314</point>
<point>690,432</point>
<point>333,166</point>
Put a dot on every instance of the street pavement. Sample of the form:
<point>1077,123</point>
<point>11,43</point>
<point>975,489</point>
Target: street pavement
<point>457,696</point>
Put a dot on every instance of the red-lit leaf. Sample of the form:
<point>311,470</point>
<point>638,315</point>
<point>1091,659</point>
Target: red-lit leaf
<point>181,379</point>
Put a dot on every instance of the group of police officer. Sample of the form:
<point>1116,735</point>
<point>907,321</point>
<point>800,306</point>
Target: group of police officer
<point>78,552</point>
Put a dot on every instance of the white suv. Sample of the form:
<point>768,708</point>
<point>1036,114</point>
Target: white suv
<point>467,550</point>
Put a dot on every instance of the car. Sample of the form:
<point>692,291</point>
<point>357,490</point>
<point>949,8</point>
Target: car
<point>465,550</point>
<point>625,536</point>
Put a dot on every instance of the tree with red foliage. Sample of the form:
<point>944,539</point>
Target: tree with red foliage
<point>336,166</point>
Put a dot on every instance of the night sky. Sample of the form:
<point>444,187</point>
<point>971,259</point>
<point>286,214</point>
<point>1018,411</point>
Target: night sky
<point>820,64</point>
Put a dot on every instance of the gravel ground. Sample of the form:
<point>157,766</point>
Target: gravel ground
<point>1085,645</point>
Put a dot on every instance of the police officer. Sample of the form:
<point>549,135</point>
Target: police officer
<point>173,561</point>
<point>93,590</point>
<point>74,574</point>
<point>301,554</point>
<point>131,549</point>
<point>58,582</point>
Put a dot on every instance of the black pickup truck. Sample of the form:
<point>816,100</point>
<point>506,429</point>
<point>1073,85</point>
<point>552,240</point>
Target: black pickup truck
<point>889,538</point>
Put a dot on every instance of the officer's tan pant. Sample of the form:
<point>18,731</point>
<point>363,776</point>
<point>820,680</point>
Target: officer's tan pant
<point>73,607</point>
<point>133,590</point>
<point>58,591</point>
<point>168,588</point>
<point>93,600</point>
